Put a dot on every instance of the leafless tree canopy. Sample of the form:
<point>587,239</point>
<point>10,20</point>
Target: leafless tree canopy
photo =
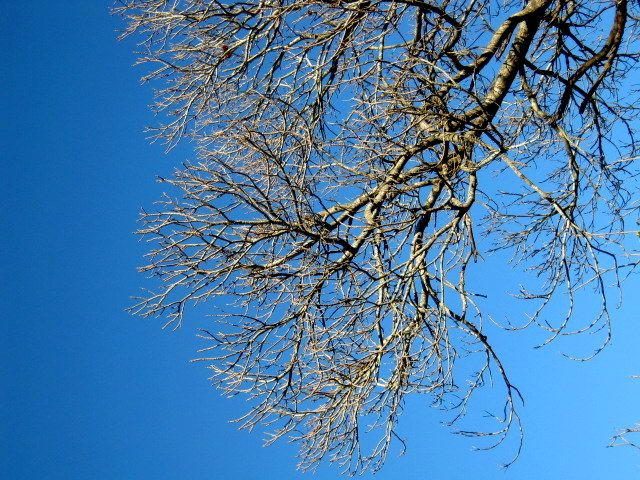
<point>355,160</point>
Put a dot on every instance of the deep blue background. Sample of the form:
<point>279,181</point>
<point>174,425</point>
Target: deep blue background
<point>88,392</point>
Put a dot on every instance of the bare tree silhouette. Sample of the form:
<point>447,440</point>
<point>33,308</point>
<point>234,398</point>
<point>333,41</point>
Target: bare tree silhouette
<point>355,159</point>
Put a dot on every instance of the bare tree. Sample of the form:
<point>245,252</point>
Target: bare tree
<point>356,158</point>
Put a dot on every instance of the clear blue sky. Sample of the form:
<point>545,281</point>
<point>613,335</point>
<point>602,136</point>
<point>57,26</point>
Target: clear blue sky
<point>88,392</point>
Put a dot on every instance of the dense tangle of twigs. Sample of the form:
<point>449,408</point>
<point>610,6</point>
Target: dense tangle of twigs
<point>355,158</point>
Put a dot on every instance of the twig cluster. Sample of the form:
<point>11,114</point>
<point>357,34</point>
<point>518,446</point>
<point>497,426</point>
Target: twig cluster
<point>355,159</point>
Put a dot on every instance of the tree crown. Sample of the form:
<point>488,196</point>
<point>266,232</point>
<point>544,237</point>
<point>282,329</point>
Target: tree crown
<point>355,160</point>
